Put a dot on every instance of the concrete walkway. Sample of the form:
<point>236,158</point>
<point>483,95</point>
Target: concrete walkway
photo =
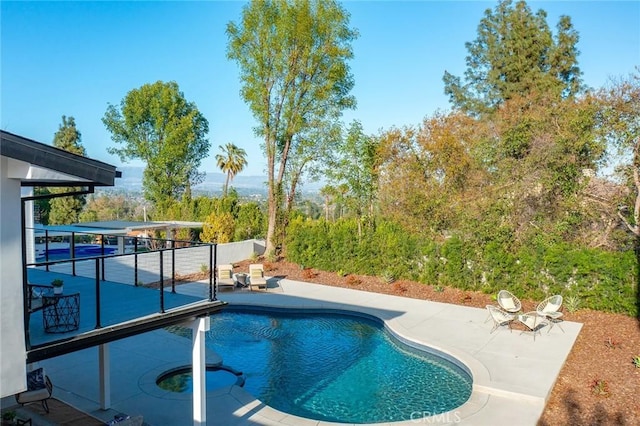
<point>512,374</point>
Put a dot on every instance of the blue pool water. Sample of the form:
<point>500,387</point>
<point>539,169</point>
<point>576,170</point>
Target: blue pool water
<point>181,379</point>
<point>335,367</point>
<point>88,250</point>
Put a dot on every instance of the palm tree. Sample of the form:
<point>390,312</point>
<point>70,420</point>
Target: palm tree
<point>231,161</point>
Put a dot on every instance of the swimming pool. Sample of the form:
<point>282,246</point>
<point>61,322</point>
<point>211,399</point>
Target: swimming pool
<point>335,367</point>
<point>63,253</point>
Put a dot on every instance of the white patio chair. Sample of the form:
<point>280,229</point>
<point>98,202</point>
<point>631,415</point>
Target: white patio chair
<point>39,389</point>
<point>224,277</point>
<point>500,317</point>
<point>256,277</point>
<point>509,302</point>
<point>549,308</point>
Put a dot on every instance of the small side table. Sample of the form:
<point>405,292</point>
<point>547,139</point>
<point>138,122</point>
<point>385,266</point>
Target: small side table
<point>241,279</point>
<point>61,313</point>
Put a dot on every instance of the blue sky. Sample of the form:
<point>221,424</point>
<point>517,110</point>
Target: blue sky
<point>75,58</point>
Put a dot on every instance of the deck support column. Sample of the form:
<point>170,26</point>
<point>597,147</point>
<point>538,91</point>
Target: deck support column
<point>199,368</point>
<point>105,376</point>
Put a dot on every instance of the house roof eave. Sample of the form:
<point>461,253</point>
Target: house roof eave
<point>87,171</point>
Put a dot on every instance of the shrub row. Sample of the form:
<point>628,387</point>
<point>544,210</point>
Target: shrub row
<point>599,279</point>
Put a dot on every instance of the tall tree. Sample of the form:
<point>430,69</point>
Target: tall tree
<point>432,172</point>
<point>156,124</point>
<point>515,53</point>
<point>292,57</point>
<point>232,161</point>
<point>356,166</point>
<point>65,210</point>
<point>108,207</point>
<point>310,153</point>
<point>621,119</point>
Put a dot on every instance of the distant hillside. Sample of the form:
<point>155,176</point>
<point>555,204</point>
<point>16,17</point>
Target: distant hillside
<point>131,181</point>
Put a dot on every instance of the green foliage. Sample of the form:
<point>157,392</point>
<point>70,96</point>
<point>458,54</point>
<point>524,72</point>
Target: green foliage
<point>185,234</point>
<point>636,361</point>
<point>42,206</point>
<point>66,209</point>
<point>157,125</point>
<point>620,116</point>
<point>232,161</point>
<point>68,137</point>
<point>336,246</point>
<point>218,228</point>
<point>108,207</point>
<point>597,279</point>
<point>271,257</point>
<point>292,57</point>
<point>600,388</point>
<point>572,303</point>
<point>388,277</point>
<point>515,54</point>
<point>250,222</point>
<point>355,172</point>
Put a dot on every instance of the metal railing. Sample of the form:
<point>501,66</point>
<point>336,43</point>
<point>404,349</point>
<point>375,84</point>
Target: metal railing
<point>128,268</point>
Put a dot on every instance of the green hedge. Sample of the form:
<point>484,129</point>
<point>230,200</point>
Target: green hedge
<point>600,279</point>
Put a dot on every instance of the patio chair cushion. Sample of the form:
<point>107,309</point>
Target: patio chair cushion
<point>256,273</point>
<point>508,304</point>
<point>35,380</point>
<point>37,395</point>
<point>550,305</point>
<point>34,395</point>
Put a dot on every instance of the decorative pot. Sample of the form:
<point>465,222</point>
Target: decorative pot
<point>57,290</point>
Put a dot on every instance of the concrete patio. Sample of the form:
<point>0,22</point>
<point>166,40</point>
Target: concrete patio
<point>513,375</point>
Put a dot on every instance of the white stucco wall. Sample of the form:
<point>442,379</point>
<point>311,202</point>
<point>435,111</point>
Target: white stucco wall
<point>12,346</point>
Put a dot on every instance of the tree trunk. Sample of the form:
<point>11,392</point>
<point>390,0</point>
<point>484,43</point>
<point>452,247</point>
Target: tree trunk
<point>272,199</point>
<point>289,205</point>
<point>326,208</point>
<point>226,185</point>
<point>275,193</point>
<point>272,218</point>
